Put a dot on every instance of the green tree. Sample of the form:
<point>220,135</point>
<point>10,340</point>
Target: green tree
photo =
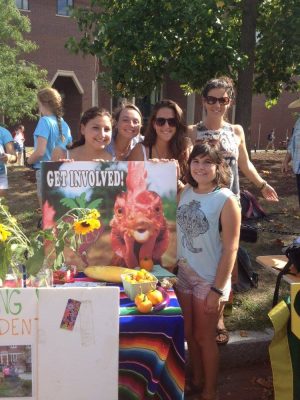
<point>140,42</point>
<point>19,79</point>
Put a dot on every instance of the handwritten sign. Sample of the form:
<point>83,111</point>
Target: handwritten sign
<point>39,358</point>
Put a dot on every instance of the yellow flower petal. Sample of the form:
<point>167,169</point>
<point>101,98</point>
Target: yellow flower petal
<point>94,214</point>
<point>4,233</point>
<point>84,226</point>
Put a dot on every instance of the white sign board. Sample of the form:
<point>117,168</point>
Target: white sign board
<point>59,342</point>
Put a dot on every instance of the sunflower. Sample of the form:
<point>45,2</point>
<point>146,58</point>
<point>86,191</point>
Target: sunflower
<point>84,226</point>
<point>93,214</point>
<point>4,233</point>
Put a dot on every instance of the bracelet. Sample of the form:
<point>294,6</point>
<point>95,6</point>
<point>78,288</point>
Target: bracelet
<point>216,290</point>
<point>263,185</point>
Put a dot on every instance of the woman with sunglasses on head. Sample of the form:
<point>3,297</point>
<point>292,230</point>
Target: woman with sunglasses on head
<point>126,131</point>
<point>217,96</point>
<point>165,137</point>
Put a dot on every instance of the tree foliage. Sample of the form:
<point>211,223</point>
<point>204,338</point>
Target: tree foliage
<point>19,79</point>
<point>140,42</point>
<point>277,60</point>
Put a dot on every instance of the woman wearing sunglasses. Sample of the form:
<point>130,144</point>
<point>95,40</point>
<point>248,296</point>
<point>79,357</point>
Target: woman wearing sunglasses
<point>165,137</point>
<point>217,96</point>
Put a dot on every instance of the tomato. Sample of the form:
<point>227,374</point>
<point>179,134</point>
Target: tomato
<point>155,296</point>
<point>139,298</point>
<point>146,263</point>
<point>145,306</point>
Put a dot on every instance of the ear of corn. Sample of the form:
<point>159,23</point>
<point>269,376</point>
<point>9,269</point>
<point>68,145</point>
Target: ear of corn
<point>107,273</point>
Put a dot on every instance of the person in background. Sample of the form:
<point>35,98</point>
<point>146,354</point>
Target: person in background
<point>205,260</point>
<point>7,155</point>
<point>165,138</point>
<point>126,131</point>
<point>217,97</point>
<point>50,132</point>
<point>95,136</point>
<point>293,153</point>
<point>19,139</point>
<point>271,140</point>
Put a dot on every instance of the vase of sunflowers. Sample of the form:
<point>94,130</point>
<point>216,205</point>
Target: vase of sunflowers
<point>44,253</point>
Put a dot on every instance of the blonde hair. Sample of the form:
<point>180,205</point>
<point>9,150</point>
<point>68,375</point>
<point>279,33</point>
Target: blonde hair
<point>51,99</point>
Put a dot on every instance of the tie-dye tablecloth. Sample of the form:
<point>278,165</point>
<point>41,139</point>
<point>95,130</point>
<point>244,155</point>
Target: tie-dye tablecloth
<point>151,356</point>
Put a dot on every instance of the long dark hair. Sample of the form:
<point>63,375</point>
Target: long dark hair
<point>89,114</point>
<point>179,143</point>
<point>212,150</point>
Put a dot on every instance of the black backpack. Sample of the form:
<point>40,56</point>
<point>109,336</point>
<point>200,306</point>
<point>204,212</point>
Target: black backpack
<point>247,278</point>
<point>251,209</point>
<point>251,212</point>
<point>293,255</point>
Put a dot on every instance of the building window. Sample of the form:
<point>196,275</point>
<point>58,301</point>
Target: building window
<point>22,4</point>
<point>63,7</point>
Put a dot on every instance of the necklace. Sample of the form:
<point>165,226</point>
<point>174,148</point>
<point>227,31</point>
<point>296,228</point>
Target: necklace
<point>120,154</point>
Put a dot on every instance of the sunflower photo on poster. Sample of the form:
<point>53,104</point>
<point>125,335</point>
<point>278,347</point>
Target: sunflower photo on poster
<point>131,211</point>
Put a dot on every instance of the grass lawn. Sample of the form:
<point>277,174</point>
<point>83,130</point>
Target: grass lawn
<point>249,309</point>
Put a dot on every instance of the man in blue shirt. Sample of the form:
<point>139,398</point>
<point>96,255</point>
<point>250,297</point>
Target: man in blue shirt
<point>7,155</point>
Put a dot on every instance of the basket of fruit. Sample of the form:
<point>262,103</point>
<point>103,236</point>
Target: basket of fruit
<point>139,281</point>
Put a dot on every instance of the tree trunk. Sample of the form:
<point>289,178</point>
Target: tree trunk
<point>245,75</point>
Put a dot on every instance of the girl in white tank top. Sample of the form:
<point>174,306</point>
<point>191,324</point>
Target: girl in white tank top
<point>206,256</point>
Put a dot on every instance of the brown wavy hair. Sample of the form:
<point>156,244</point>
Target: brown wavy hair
<point>89,114</point>
<point>179,143</point>
<point>212,150</point>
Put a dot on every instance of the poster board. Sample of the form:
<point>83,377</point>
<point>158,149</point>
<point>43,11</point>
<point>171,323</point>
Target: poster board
<point>137,203</point>
<point>56,348</point>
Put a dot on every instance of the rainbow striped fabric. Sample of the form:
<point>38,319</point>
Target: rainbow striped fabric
<point>151,355</point>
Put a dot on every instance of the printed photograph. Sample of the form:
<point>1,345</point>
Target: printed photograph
<point>15,371</point>
<point>133,211</point>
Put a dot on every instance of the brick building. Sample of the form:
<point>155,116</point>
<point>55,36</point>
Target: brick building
<point>74,76</point>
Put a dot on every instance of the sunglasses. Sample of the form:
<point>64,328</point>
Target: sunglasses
<point>222,100</point>
<point>162,121</point>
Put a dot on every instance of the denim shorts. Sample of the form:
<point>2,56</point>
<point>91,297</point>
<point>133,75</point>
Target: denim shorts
<point>189,282</point>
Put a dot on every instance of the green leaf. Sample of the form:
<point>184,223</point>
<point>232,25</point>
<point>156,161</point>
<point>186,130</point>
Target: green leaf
<point>81,200</point>
<point>95,204</point>
<point>69,203</point>
<point>35,263</point>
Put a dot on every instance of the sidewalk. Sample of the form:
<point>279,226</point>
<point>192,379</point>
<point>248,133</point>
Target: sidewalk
<point>245,348</point>
<point>245,367</point>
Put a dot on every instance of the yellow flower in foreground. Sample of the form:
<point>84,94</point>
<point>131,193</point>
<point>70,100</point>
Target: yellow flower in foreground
<point>4,233</point>
<point>94,214</point>
<point>84,226</point>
